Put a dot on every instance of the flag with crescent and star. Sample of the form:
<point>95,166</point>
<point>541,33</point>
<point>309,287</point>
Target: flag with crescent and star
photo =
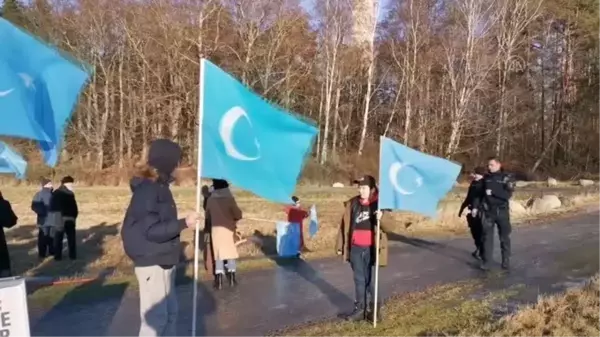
<point>11,161</point>
<point>413,181</point>
<point>39,87</point>
<point>251,143</point>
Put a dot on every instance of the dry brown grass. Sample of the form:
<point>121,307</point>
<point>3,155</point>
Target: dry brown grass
<point>574,313</point>
<point>102,210</point>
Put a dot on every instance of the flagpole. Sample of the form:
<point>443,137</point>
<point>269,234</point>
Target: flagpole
<point>377,239</point>
<point>198,195</point>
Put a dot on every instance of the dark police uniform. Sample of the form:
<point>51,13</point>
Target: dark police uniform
<point>494,209</point>
<point>474,194</point>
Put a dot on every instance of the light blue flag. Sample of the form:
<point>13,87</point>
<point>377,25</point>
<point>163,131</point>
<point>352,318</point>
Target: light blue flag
<point>249,142</point>
<point>11,161</point>
<point>313,227</point>
<point>288,239</point>
<point>411,180</point>
<point>39,88</point>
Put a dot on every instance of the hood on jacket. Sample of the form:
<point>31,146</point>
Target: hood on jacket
<point>164,155</point>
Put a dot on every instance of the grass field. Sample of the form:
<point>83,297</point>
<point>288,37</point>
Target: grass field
<point>102,209</point>
<point>451,310</point>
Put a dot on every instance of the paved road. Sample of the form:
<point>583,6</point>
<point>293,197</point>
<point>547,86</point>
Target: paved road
<point>546,258</point>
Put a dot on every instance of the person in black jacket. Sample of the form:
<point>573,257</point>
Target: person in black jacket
<point>498,188</point>
<point>8,219</point>
<point>63,216</point>
<point>473,219</point>
<point>150,235</point>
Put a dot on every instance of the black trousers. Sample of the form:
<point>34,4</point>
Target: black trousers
<point>363,270</point>
<point>69,231</point>
<point>476,231</point>
<point>45,243</point>
<point>496,218</point>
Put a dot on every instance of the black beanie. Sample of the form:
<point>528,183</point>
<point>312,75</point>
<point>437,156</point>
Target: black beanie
<point>164,155</point>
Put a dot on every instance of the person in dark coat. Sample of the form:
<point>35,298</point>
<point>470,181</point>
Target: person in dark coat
<point>151,238</point>
<point>8,219</point>
<point>498,187</point>
<point>40,205</point>
<point>63,216</point>
<point>473,197</point>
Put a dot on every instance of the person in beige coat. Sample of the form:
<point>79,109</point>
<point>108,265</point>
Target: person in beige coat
<point>224,214</point>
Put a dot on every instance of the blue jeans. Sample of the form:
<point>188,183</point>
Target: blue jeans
<point>363,268</point>
<point>220,266</point>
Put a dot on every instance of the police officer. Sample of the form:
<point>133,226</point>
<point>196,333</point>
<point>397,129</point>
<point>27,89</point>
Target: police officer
<point>498,187</point>
<point>475,191</point>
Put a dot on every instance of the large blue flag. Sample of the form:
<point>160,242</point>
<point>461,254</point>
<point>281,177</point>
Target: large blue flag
<point>411,180</point>
<point>11,161</point>
<point>39,88</point>
<point>249,142</point>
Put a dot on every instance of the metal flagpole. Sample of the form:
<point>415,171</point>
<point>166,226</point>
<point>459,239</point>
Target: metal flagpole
<point>376,276</point>
<point>198,195</point>
<point>377,239</point>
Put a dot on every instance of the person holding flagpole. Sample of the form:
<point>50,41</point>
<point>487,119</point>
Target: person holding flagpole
<point>356,243</point>
<point>151,238</point>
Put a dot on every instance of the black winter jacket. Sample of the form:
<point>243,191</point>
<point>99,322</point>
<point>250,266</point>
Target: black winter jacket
<point>151,229</point>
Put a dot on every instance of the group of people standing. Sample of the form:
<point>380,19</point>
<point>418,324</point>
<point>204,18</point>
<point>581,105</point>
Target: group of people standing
<point>56,212</point>
<point>487,202</point>
<point>151,236</point>
<point>151,233</point>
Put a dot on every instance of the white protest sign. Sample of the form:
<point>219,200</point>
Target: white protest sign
<point>14,317</point>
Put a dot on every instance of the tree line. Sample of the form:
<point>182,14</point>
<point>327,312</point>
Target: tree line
<point>462,79</point>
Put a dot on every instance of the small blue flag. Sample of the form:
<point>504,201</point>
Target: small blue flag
<point>249,142</point>
<point>411,180</point>
<point>38,90</point>
<point>288,239</point>
<point>11,161</point>
<point>313,227</point>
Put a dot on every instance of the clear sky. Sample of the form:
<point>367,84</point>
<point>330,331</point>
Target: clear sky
<point>383,7</point>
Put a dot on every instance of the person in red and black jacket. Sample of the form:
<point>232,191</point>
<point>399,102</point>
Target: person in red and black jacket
<point>356,244</point>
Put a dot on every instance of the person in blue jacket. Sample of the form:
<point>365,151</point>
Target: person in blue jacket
<point>150,235</point>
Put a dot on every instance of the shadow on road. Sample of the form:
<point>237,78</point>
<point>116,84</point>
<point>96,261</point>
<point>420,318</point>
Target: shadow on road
<point>438,248</point>
<point>22,245</point>
<point>301,268</point>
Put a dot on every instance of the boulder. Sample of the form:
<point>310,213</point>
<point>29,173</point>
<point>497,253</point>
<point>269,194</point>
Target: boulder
<point>586,182</point>
<point>546,203</point>
<point>552,182</point>
<point>337,185</point>
<point>516,208</point>
<point>521,183</point>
